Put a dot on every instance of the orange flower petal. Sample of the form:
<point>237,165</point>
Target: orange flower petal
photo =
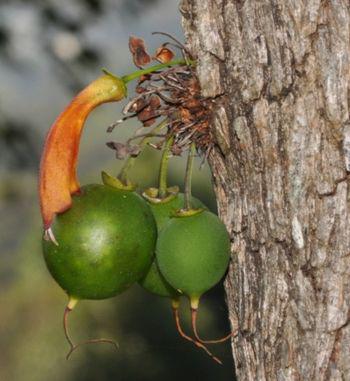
<point>58,177</point>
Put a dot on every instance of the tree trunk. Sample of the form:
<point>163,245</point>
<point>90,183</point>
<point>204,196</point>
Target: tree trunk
<point>280,73</point>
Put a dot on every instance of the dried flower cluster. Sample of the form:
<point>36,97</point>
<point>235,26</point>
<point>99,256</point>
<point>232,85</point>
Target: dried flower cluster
<point>173,95</point>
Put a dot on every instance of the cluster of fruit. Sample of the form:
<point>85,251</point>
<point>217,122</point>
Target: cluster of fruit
<point>100,239</point>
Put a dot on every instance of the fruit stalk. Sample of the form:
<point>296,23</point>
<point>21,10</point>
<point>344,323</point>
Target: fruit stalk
<point>188,177</point>
<point>175,308</point>
<point>139,73</point>
<point>163,172</point>
<point>71,304</point>
<point>194,313</point>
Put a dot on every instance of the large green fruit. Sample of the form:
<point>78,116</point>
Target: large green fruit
<point>154,281</point>
<point>193,252</point>
<point>106,243</point>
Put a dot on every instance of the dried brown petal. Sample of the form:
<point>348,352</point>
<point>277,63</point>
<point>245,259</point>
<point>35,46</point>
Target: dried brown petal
<point>164,54</point>
<point>134,150</point>
<point>138,51</point>
<point>176,150</point>
<point>139,105</point>
<point>178,99</point>
<point>144,77</point>
<point>193,104</point>
<point>149,122</point>
<point>140,90</point>
<point>122,150</point>
<point>154,102</point>
<point>146,116</point>
<point>185,115</point>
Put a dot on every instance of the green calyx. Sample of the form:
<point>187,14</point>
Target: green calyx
<point>187,212</point>
<point>152,195</point>
<point>164,211</point>
<point>116,183</point>
<point>120,81</point>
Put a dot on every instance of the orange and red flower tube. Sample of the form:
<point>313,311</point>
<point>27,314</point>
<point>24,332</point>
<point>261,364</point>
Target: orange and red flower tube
<point>58,177</point>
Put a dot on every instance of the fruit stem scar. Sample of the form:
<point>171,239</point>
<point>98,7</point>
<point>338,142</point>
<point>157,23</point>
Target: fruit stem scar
<point>188,177</point>
<point>198,344</point>
<point>163,172</point>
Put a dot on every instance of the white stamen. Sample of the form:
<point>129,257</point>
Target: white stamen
<point>49,236</point>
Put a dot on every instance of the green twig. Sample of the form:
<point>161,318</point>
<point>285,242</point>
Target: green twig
<point>129,77</point>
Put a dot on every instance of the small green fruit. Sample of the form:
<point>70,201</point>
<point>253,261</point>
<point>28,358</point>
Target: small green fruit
<point>193,253</point>
<point>154,281</point>
<point>106,243</point>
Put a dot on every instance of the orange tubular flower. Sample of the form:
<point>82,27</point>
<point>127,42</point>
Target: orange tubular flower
<point>58,178</point>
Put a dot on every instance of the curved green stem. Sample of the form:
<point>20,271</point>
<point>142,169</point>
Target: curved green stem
<point>130,161</point>
<point>188,177</point>
<point>137,74</point>
<point>163,172</point>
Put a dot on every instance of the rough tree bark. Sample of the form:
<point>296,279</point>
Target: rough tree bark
<point>280,73</point>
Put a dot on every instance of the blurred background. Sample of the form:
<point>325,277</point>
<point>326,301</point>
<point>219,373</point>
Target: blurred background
<point>49,50</point>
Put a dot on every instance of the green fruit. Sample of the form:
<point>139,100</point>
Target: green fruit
<point>106,243</point>
<point>193,252</point>
<point>154,281</point>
